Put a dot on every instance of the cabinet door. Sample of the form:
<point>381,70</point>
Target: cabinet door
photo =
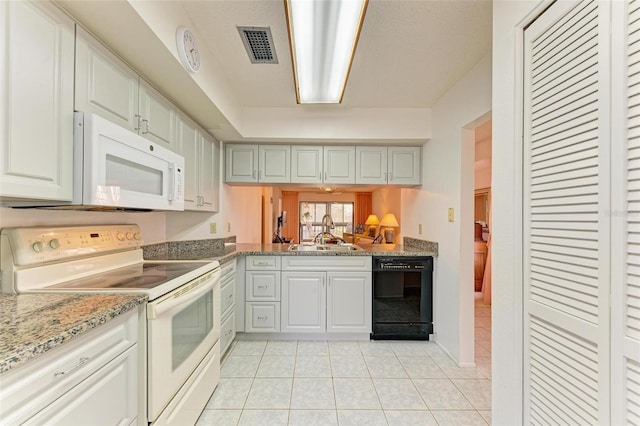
<point>209,174</point>
<point>104,84</point>
<point>262,286</point>
<point>36,101</point>
<point>306,164</point>
<point>107,397</point>
<point>303,302</point>
<point>349,302</point>
<point>275,164</point>
<point>371,165</point>
<point>241,163</point>
<point>188,143</point>
<point>339,164</point>
<point>404,165</point>
<point>157,117</point>
<point>262,317</point>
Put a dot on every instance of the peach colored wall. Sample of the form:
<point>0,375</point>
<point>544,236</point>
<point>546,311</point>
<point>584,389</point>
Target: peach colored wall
<point>388,200</point>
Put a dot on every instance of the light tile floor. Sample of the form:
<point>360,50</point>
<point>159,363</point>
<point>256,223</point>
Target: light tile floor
<point>352,383</point>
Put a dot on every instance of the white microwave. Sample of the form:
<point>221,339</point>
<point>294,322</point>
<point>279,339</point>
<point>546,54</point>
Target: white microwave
<point>116,168</point>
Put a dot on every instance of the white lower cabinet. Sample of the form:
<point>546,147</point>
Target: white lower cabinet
<point>349,302</point>
<point>307,294</point>
<point>107,397</point>
<point>227,304</point>
<point>303,302</point>
<point>92,380</point>
<point>262,317</point>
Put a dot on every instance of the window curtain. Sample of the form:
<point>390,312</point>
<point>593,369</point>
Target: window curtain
<point>363,207</point>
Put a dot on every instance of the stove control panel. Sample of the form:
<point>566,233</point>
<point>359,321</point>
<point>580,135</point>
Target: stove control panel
<point>40,245</point>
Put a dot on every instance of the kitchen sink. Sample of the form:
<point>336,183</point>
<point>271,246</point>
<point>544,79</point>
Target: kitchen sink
<point>323,247</point>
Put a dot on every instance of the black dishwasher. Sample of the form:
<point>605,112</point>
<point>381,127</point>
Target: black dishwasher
<point>402,297</point>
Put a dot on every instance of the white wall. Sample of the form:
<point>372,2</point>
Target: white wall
<point>447,176</point>
<point>509,17</point>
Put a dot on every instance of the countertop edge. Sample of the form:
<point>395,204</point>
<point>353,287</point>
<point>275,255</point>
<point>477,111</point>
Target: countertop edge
<point>21,354</point>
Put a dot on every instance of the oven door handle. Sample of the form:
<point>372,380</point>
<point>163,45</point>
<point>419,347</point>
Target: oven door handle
<point>154,310</point>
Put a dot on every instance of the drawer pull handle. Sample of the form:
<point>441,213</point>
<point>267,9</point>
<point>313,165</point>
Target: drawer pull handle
<point>229,297</point>
<point>228,333</point>
<point>262,286</point>
<point>262,263</point>
<point>262,318</point>
<point>82,362</point>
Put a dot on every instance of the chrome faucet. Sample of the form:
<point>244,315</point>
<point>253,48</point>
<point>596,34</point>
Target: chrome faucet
<point>327,223</point>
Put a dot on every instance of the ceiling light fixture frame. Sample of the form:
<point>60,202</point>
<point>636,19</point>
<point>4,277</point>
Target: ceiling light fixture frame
<point>301,98</point>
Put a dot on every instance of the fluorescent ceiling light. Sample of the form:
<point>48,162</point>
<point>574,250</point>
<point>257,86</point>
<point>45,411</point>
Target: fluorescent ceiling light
<point>323,35</point>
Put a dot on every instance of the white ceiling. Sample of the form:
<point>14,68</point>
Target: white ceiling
<point>409,54</point>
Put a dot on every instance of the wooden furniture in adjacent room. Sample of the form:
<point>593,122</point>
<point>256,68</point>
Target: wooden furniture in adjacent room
<point>479,257</point>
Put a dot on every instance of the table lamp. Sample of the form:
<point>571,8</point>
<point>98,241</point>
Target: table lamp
<point>389,222</point>
<point>372,221</point>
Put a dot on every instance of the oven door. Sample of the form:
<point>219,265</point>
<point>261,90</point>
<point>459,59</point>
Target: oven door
<point>183,326</point>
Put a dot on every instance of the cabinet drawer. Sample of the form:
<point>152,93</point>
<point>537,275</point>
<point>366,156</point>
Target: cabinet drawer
<point>262,286</point>
<point>325,263</point>
<point>228,268</point>
<point>28,389</point>
<point>227,296</point>
<point>227,332</point>
<point>111,395</point>
<point>271,263</point>
<point>262,317</point>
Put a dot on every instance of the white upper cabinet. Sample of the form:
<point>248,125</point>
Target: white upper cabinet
<point>318,164</point>
<point>379,165</point>
<point>339,164</point>
<point>106,86</point>
<point>404,165</point>
<point>371,165</point>
<point>36,102</point>
<point>157,116</point>
<point>241,163</point>
<point>201,163</point>
<point>252,163</point>
<point>306,164</point>
<point>274,163</point>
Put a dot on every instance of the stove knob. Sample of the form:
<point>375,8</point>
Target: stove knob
<point>37,246</point>
<point>137,235</point>
<point>54,244</point>
<point>129,235</point>
<point>120,236</point>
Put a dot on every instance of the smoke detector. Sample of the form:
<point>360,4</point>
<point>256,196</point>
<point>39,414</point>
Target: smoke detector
<point>259,44</point>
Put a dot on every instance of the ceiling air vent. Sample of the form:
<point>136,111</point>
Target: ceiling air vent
<point>259,44</point>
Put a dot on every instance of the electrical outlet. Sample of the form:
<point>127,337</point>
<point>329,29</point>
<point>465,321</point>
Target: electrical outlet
<point>420,228</point>
<point>451,214</point>
<point>228,226</point>
<point>212,228</point>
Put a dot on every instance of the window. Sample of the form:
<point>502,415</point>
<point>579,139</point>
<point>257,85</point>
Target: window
<point>311,214</point>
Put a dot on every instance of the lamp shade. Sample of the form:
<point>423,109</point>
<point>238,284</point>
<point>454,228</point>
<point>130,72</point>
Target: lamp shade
<point>389,220</point>
<point>372,220</point>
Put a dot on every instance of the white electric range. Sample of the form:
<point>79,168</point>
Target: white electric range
<point>183,313</point>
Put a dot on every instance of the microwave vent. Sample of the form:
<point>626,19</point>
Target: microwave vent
<point>259,44</point>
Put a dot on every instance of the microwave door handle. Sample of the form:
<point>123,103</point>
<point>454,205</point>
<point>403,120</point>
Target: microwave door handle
<point>154,310</point>
<point>173,183</point>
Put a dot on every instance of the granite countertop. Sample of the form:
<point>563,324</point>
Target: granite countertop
<point>32,324</point>
<point>196,250</point>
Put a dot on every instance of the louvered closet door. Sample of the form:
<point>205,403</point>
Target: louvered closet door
<point>625,357</point>
<point>566,202</point>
